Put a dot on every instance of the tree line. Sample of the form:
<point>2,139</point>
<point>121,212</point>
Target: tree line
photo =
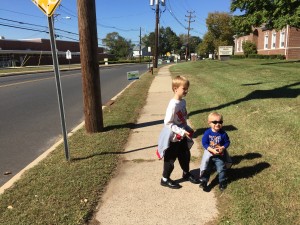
<point>221,28</point>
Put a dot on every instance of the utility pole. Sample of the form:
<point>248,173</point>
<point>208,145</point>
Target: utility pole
<point>140,44</point>
<point>163,3</point>
<point>156,35</point>
<point>188,36</point>
<point>87,25</point>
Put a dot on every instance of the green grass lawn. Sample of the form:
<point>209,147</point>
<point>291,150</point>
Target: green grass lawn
<point>27,69</point>
<point>260,101</point>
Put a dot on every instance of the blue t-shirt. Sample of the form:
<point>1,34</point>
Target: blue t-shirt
<point>214,139</point>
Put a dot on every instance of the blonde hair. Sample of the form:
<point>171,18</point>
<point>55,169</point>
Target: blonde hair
<point>214,114</point>
<point>179,80</point>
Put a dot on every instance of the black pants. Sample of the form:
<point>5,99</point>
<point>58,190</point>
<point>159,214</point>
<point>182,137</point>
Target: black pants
<point>176,150</point>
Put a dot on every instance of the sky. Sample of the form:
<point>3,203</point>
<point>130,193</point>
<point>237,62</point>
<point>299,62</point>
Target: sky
<point>22,19</point>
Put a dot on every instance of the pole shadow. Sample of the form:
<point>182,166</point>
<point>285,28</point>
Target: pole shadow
<point>133,125</point>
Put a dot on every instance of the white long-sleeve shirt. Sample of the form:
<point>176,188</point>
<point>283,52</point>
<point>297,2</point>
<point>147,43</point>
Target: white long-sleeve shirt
<point>176,116</point>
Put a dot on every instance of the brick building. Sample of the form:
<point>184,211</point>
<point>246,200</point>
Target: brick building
<point>34,52</point>
<point>271,42</point>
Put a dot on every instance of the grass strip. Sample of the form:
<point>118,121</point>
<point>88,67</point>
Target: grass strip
<point>21,70</point>
<point>260,101</point>
<point>60,192</point>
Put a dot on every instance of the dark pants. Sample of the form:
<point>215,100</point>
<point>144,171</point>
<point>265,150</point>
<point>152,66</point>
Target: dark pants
<point>176,150</point>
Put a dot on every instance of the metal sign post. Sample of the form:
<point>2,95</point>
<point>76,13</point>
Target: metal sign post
<point>68,56</point>
<point>48,7</point>
<point>58,86</point>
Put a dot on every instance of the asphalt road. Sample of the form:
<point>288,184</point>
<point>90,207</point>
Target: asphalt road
<point>30,121</point>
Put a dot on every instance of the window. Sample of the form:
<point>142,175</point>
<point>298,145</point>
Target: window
<point>282,37</point>
<point>274,40</point>
<point>266,41</point>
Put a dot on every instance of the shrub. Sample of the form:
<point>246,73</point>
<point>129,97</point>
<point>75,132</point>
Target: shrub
<point>256,56</point>
<point>237,57</point>
<point>249,48</point>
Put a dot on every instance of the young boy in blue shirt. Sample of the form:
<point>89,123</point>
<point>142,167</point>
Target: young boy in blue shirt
<point>215,142</point>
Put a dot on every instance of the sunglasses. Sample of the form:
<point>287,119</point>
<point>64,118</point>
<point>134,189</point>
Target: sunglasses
<point>216,122</point>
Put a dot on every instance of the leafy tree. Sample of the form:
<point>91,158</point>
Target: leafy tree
<point>168,41</point>
<point>219,33</point>
<point>249,48</point>
<point>207,45</point>
<point>193,43</point>
<point>118,45</point>
<point>183,41</point>
<point>274,13</point>
<point>149,41</point>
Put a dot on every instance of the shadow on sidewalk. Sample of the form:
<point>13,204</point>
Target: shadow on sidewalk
<point>133,125</point>
<point>115,153</point>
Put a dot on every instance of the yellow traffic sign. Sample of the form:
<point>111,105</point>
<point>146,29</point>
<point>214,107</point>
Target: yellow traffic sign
<point>47,6</point>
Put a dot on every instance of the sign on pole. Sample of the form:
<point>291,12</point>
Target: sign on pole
<point>47,6</point>
<point>68,55</point>
<point>225,50</point>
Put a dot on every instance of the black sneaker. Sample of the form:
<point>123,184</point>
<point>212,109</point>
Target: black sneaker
<point>170,184</point>
<point>203,184</point>
<point>223,186</point>
<point>190,177</point>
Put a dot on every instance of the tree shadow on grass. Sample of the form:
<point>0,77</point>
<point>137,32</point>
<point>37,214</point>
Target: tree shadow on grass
<point>281,92</point>
<point>281,62</point>
<point>236,159</point>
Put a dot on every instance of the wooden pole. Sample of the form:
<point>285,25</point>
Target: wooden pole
<point>87,25</point>
<point>156,35</point>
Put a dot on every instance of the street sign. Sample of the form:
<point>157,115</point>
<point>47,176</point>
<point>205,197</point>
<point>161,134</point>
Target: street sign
<point>68,55</point>
<point>150,65</point>
<point>47,6</point>
<point>225,50</point>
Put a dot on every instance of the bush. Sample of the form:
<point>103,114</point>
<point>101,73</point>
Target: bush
<point>249,48</point>
<point>255,56</point>
<point>237,57</point>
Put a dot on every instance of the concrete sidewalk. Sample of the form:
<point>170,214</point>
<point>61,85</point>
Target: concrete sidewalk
<point>134,195</point>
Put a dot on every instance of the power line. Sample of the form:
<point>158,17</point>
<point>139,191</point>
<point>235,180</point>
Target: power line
<point>31,24</point>
<point>102,25</point>
<point>21,13</point>
<point>173,15</point>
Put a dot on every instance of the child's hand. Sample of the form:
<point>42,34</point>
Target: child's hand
<point>213,150</point>
<point>216,152</point>
<point>188,135</point>
<point>220,149</point>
